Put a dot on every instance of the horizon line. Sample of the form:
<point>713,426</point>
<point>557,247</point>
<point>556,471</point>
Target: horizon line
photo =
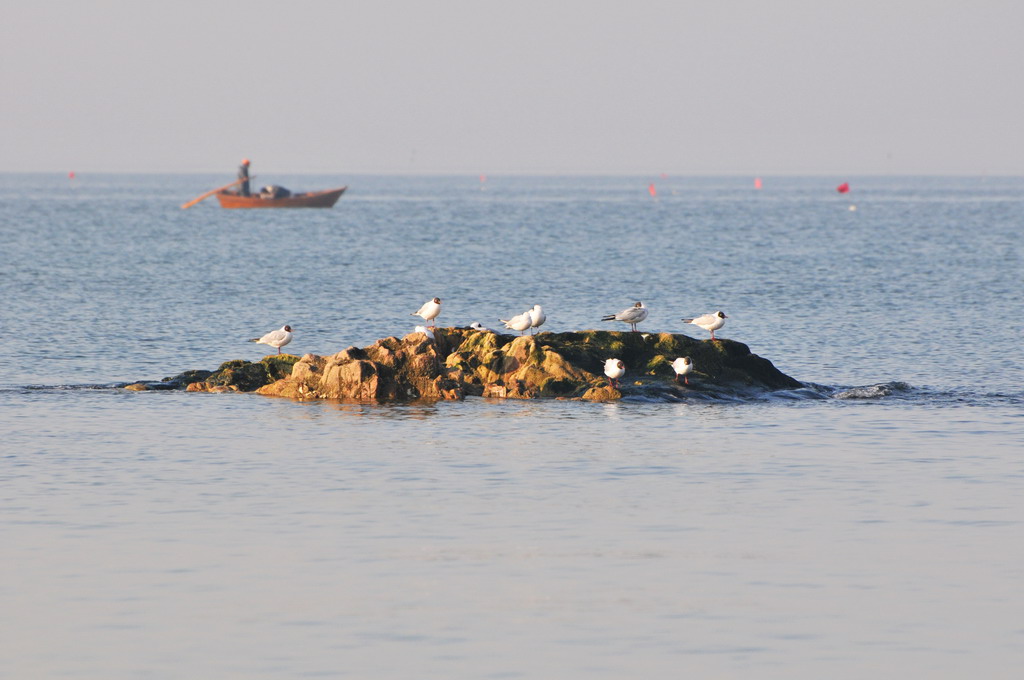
<point>650,176</point>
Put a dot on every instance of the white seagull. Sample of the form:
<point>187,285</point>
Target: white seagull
<point>278,338</point>
<point>683,366</point>
<point>633,315</point>
<point>426,331</point>
<point>519,322</point>
<point>429,310</point>
<point>477,326</point>
<point>537,317</point>
<point>614,369</point>
<point>709,322</point>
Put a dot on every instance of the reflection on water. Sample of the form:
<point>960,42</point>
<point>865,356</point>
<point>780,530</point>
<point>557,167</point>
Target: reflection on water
<point>267,536</point>
<point>236,535</point>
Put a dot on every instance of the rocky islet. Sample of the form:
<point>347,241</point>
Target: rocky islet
<point>461,362</point>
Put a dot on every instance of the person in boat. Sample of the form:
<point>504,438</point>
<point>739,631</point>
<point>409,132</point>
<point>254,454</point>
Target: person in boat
<point>243,174</point>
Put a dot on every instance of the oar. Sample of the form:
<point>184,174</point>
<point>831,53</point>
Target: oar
<point>211,193</point>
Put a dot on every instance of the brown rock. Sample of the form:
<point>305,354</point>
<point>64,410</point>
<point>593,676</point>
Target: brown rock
<point>462,362</point>
<point>604,393</point>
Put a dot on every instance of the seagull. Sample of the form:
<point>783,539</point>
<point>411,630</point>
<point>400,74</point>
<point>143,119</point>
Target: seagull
<point>709,322</point>
<point>614,369</point>
<point>429,310</point>
<point>537,317</point>
<point>519,323</point>
<point>477,326</point>
<point>278,338</point>
<point>683,366</point>
<point>633,315</point>
<point>426,331</point>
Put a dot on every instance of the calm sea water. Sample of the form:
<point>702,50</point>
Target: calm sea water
<point>876,533</point>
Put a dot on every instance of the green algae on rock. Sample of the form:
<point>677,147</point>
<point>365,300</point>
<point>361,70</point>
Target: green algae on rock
<point>237,375</point>
<point>240,375</point>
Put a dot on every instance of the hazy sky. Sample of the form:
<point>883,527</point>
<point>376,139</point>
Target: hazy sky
<point>553,86</point>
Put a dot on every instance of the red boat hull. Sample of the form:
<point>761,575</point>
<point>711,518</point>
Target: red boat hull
<point>312,199</point>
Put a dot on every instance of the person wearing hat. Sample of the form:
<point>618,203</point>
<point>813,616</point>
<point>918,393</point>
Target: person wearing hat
<point>243,174</point>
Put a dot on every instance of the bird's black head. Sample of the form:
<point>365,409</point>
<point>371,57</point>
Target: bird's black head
<point>437,301</point>
<point>288,328</point>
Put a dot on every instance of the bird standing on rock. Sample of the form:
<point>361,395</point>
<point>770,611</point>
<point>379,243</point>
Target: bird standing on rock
<point>614,369</point>
<point>429,310</point>
<point>537,317</point>
<point>709,322</point>
<point>278,338</point>
<point>519,322</point>
<point>633,315</point>
<point>683,366</point>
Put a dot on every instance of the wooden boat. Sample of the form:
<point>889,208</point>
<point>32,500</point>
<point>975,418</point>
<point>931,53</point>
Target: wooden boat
<point>310,199</point>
